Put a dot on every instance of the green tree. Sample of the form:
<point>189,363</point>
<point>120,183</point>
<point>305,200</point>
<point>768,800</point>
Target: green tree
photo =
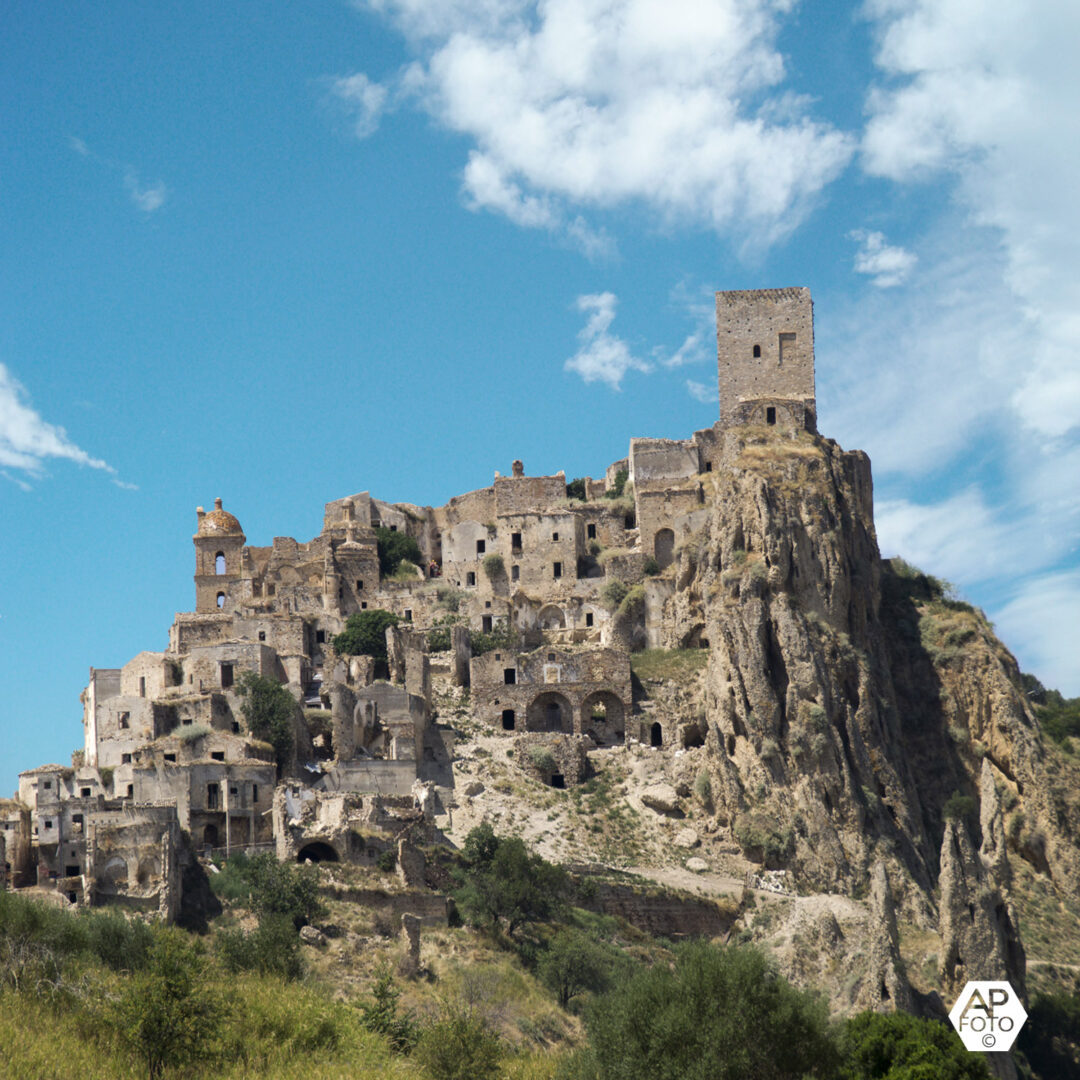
<point>270,713</point>
<point>717,1014</point>
<point>500,880</point>
<point>381,1013</point>
<point>617,488</point>
<point>1050,1040</point>
<point>272,948</point>
<point>365,632</point>
<point>898,1046</point>
<point>572,963</point>
<point>460,1047</point>
<point>576,488</point>
<point>393,547</point>
<point>165,1013</point>
<point>282,888</point>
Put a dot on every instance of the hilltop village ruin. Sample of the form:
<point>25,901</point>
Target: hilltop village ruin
<point>168,770</point>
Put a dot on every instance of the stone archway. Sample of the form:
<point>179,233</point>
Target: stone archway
<point>550,711</point>
<point>603,717</point>
<point>317,851</point>
<point>552,617</point>
<point>664,547</point>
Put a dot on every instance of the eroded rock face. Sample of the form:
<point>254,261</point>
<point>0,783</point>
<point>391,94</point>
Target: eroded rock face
<point>847,700</point>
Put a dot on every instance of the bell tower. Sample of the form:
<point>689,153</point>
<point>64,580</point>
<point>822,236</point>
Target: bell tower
<point>219,546</point>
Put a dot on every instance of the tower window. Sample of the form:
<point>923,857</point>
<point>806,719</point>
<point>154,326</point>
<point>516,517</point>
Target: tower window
<point>219,563</point>
<point>509,676</point>
<point>787,347</point>
<point>220,599</point>
<point>590,532</point>
<point>226,676</point>
<point>481,547</point>
<point>557,570</point>
<point>515,572</point>
<point>262,635</point>
<point>515,541</point>
<point>770,415</point>
<point>408,614</point>
<point>320,637</point>
<point>359,584</point>
<point>554,537</point>
<point>757,352</point>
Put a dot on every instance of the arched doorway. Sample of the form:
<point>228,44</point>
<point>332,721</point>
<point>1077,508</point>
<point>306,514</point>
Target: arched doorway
<point>550,712</point>
<point>602,717</point>
<point>552,618</point>
<point>664,547</point>
<point>317,851</point>
<point>210,836</point>
<point>656,735</point>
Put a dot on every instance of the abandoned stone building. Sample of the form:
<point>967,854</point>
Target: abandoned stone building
<point>167,767</point>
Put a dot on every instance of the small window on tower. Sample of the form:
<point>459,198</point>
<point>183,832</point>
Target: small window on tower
<point>220,599</point>
<point>125,719</point>
<point>757,352</point>
<point>219,563</point>
<point>359,584</point>
<point>770,415</point>
<point>515,573</point>
<point>590,532</point>
<point>787,347</point>
<point>320,637</point>
<point>481,547</point>
<point>226,676</point>
<point>557,570</point>
<point>262,635</point>
<point>515,541</point>
<point>554,537</point>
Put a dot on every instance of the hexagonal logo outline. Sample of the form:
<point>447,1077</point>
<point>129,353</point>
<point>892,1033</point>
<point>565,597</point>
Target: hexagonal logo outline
<point>988,1016</point>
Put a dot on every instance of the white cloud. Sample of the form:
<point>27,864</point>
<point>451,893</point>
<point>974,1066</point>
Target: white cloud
<point>366,101</point>
<point>147,199</point>
<point>702,392</point>
<point>601,356</point>
<point>988,92</point>
<point>27,441</point>
<point>887,265</point>
<point>1042,619</point>
<point>601,103</point>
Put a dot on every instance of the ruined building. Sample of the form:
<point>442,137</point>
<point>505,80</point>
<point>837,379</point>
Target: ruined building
<point>167,767</point>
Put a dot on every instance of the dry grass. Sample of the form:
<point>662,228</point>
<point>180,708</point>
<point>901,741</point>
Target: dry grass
<point>677,665</point>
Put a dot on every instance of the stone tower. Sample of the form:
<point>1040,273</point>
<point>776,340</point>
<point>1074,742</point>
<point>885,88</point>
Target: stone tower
<point>219,546</point>
<point>765,353</point>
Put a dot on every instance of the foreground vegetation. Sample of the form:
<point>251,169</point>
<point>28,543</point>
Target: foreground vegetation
<point>538,989</point>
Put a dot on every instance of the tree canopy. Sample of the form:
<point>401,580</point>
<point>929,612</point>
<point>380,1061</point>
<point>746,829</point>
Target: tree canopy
<point>270,713</point>
<point>365,633</point>
<point>393,547</point>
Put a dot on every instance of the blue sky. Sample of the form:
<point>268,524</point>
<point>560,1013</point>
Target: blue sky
<point>281,253</point>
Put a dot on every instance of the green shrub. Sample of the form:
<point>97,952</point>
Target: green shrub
<point>386,860</point>
<point>651,567</point>
<point>187,733</point>
<point>449,597</point>
<point>503,636</point>
<point>959,806</point>
<point>633,603</point>
<point>365,633</point>
<point>407,571</point>
<point>703,788</point>
<point>493,565</point>
<point>595,547</point>
<point>898,1046</point>
<point>460,1047</point>
<point>574,963</point>
<point>272,948</point>
<point>716,1014</point>
<point>614,592</point>
<point>576,488</point>
<point>393,547</point>
<point>542,759</point>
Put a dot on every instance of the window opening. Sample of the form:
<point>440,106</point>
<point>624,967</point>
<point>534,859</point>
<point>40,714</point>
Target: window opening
<point>485,624</point>
<point>131,791</point>
<point>226,676</point>
<point>515,541</point>
<point>408,614</point>
<point>221,599</point>
<point>508,719</point>
<point>320,637</point>
<point>170,757</point>
<point>557,780</point>
<point>212,792</point>
<point>590,532</point>
<point>76,819</point>
<point>142,686</point>
<point>588,618</point>
<point>481,547</point>
<point>254,793</point>
<point>787,347</point>
<point>656,735</point>
<point>509,676</point>
<point>262,635</point>
<point>757,352</point>
<point>558,570</point>
<point>84,793</point>
<point>515,572</point>
<point>470,578</point>
<point>770,415</point>
<point>218,755</point>
<point>125,759</point>
<point>359,584</point>
<point>554,537</point>
<point>219,563</point>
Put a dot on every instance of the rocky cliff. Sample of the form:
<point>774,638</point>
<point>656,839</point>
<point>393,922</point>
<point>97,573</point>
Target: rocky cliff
<point>862,725</point>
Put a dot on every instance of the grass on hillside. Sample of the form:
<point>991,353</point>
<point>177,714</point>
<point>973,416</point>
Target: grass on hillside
<point>678,665</point>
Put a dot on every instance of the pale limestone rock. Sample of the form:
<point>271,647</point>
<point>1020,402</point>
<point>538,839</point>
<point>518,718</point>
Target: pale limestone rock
<point>662,798</point>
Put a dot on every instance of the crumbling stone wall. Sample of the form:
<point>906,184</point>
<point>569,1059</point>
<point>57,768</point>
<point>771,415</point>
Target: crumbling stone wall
<point>556,760</point>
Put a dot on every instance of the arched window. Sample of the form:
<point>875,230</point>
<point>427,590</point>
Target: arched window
<point>757,352</point>
<point>219,563</point>
<point>220,599</point>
